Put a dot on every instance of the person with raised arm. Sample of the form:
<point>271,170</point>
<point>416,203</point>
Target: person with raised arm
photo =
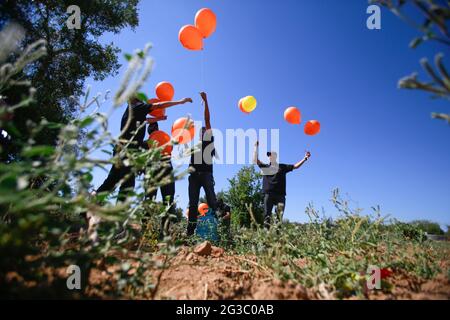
<point>132,135</point>
<point>274,182</point>
<point>201,171</point>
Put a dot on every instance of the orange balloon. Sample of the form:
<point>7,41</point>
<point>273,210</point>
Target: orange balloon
<point>292,115</point>
<point>160,138</point>
<point>206,21</point>
<point>157,112</point>
<point>183,130</point>
<point>191,38</point>
<point>241,108</point>
<point>312,127</point>
<point>165,91</point>
<point>203,209</point>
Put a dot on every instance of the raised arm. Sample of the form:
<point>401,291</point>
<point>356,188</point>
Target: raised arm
<point>300,163</point>
<point>206,115</point>
<point>255,155</point>
<point>168,104</point>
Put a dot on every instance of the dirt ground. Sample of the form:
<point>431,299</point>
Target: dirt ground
<point>192,276</point>
<point>211,273</point>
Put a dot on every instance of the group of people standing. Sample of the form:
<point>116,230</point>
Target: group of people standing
<point>201,166</point>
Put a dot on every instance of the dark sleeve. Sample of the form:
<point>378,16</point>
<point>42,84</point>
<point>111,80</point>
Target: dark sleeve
<point>288,168</point>
<point>263,165</point>
<point>144,144</point>
<point>142,110</point>
<point>227,209</point>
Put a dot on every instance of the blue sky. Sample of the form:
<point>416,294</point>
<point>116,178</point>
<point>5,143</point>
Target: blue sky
<point>378,144</point>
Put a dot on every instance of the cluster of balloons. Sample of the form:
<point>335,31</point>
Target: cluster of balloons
<point>183,129</point>
<point>191,36</point>
<point>293,116</point>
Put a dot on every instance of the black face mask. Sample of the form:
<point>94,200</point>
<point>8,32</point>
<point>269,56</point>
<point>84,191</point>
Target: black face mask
<point>152,127</point>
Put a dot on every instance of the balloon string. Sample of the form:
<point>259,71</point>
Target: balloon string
<point>202,75</point>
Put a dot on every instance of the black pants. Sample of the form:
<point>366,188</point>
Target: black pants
<point>271,200</point>
<point>115,175</point>
<point>198,180</point>
<point>168,195</point>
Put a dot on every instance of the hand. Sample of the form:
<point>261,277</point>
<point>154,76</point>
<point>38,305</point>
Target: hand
<point>203,95</point>
<point>185,100</point>
<point>307,155</point>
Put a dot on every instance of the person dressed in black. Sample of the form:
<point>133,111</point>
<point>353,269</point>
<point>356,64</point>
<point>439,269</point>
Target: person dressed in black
<point>132,136</point>
<point>274,183</point>
<point>201,171</point>
<point>164,171</point>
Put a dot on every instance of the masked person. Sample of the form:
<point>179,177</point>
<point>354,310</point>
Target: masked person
<point>132,131</point>
<point>164,170</point>
<point>201,168</point>
<point>274,182</point>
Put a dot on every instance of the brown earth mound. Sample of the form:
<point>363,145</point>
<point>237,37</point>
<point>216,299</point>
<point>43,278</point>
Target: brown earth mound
<point>196,275</point>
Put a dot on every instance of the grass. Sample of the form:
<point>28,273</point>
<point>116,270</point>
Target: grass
<point>336,254</point>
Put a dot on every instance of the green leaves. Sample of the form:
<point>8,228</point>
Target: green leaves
<point>128,57</point>
<point>42,151</point>
<point>86,122</point>
<point>142,96</point>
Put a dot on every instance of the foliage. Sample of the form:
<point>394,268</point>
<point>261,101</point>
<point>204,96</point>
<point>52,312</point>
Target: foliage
<point>245,191</point>
<point>435,27</point>
<point>333,256</point>
<point>72,57</point>
<point>43,196</point>
<point>428,227</point>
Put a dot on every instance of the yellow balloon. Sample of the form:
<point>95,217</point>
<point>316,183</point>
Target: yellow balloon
<point>249,104</point>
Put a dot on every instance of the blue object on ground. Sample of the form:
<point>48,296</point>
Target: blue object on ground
<point>207,226</point>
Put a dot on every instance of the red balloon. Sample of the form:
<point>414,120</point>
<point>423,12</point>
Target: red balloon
<point>165,91</point>
<point>312,127</point>
<point>203,209</point>
<point>183,130</point>
<point>156,112</point>
<point>191,38</point>
<point>160,139</point>
<point>292,115</point>
<point>206,22</point>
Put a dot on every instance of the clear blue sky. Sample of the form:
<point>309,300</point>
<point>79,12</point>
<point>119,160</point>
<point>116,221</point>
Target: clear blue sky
<point>378,143</point>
